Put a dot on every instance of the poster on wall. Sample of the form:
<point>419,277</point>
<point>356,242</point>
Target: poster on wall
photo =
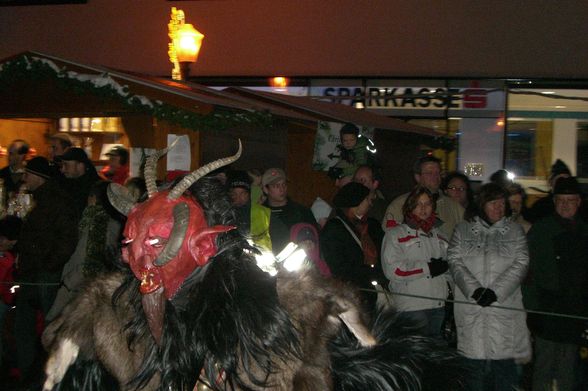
<point>327,145</point>
<point>178,157</point>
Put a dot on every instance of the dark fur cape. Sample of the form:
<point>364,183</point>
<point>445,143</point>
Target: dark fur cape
<point>235,327</point>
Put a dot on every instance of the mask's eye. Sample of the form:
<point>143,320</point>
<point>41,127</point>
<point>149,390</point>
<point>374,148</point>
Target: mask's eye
<point>156,242</point>
<point>126,242</point>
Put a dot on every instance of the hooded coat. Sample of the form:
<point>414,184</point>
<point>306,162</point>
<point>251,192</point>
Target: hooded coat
<point>495,257</point>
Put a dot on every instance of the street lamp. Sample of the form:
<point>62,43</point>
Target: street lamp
<point>184,46</point>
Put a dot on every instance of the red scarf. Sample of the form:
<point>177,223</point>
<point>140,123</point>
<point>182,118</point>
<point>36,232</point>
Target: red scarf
<point>370,252</point>
<point>424,225</point>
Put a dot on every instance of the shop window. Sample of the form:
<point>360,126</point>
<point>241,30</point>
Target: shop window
<point>582,150</point>
<point>528,147</point>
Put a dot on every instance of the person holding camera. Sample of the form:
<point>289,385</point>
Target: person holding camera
<point>12,173</point>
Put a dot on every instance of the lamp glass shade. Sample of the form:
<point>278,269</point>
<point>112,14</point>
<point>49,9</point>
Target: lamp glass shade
<point>188,43</point>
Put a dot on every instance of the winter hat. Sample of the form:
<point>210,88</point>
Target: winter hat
<point>77,154</point>
<point>350,195</point>
<point>349,128</point>
<point>39,166</point>
<point>320,209</point>
<point>566,185</point>
<point>558,168</point>
<point>240,179</point>
<point>120,151</point>
<point>272,175</point>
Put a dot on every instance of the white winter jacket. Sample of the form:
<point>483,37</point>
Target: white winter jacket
<point>493,257</point>
<point>405,254</point>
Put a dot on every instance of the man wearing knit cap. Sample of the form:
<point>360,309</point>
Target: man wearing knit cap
<point>544,206</point>
<point>47,240</point>
<point>556,283</point>
<point>275,187</point>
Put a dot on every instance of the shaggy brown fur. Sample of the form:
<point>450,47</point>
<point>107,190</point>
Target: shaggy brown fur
<point>97,327</point>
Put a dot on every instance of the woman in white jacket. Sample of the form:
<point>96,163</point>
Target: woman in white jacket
<point>488,260</point>
<point>413,259</point>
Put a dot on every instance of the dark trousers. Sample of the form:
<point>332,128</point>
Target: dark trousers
<point>425,322</point>
<point>492,375</point>
<point>555,361</point>
<point>31,299</point>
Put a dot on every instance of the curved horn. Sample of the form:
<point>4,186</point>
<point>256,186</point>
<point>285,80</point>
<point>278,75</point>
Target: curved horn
<point>177,235</point>
<point>188,180</point>
<point>150,168</point>
<point>119,198</point>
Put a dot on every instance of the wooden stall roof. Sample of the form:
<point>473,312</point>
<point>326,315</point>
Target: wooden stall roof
<point>201,99</point>
<point>335,112</point>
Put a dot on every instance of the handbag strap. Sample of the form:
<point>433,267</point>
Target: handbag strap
<point>348,228</point>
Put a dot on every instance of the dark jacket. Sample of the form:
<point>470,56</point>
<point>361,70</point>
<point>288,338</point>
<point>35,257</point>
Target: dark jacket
<point>11,181</point>
<point>283,218</point>
<point>558,277</point>
<point>345,257</point>
<point>49,233</point>
<point>79,188</point>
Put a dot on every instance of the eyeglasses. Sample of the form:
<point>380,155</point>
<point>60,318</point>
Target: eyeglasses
<point>455,188</point>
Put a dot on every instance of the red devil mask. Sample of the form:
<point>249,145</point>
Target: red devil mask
<point>166,237</point>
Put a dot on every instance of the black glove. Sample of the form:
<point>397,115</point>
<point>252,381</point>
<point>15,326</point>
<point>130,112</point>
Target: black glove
<point>484,297</point>
<point>437,266</point>
<point>478,293</point>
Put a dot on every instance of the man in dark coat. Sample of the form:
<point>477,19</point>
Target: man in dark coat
<point>80,174</point>
<point>288,212</point>
<point>350,242</point>
<point>48,238</point>
<point>558,282</point>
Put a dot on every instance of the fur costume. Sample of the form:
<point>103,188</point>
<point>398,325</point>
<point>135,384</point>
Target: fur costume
<point>225,325</point>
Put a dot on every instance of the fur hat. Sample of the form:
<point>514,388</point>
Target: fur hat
<point>350,195</point>
<point>559,167</point>
<point>39,166</point>
<point>567,185</point>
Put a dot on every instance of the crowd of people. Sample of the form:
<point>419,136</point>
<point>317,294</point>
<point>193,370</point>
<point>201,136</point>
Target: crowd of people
<point>519,275</point>
<point>65,233</point>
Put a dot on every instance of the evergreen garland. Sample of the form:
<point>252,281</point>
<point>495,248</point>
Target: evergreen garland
<point>103,86</point>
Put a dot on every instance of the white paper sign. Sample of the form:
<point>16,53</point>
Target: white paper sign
<point>178,157</point>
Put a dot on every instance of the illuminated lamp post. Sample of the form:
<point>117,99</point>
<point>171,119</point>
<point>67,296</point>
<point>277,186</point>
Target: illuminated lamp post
<point>184,46</point>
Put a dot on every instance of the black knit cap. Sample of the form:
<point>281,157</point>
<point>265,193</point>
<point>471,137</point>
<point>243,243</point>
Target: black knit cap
<point>350,195</point>
<point>77,154</point>
<point>349,128</point>
<point>238,178</point>
<point>567,185</point>
<point>39,166</point>
<point>559,167</point>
